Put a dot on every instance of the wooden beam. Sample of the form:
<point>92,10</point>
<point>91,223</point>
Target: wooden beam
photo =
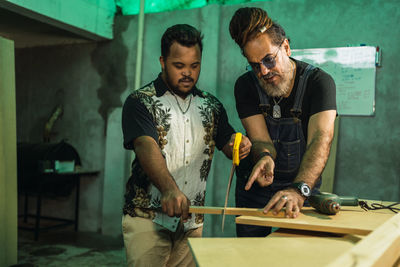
<point>234,211</point>
<point>347,221</point>
<point>92,20</point>
<point>8,156</point>
<point>380,248</point>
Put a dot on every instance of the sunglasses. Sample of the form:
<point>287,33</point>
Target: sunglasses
<point>268,61</point>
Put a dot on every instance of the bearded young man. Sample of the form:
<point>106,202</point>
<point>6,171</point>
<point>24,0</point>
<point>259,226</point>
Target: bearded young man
<point>288,109</point>
<point>173,127</point>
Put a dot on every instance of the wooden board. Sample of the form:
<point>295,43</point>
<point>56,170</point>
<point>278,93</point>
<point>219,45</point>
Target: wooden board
<point>310,248</point>
<point>271,251</point>
<point>350,220</point>
<point>284,232</point>
<point>380,248</point>
<point>8,156</point>
<point>234,211</point>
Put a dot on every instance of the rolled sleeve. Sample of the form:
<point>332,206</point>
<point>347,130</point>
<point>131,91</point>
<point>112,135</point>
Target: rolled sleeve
<point>224,131</point>
<point>323,93</point>
<point>246,96</point>
<point>136,121</point>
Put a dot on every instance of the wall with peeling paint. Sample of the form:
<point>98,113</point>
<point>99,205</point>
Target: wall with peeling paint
<point>92,81</point>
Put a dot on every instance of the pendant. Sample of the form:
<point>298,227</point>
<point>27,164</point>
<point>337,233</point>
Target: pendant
<point>276,111</point>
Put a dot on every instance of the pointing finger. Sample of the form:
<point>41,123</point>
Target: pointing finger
<point>253,177</point>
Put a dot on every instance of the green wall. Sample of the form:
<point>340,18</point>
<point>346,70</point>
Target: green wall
<point>92,19</point>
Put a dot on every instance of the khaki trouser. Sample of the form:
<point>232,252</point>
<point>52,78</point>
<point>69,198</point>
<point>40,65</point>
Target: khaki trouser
<point>149,244</point>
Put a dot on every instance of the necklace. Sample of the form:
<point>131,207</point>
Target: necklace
<point>179,106</point>
<point>276,110</point>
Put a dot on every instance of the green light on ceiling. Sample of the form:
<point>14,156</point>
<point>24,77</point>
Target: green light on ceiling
<point>131,7</point>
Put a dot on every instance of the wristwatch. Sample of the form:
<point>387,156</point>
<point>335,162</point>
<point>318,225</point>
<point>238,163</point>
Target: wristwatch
<point>303,188</point>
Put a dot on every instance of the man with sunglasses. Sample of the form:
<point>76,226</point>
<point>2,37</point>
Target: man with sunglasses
<point>288,109</point>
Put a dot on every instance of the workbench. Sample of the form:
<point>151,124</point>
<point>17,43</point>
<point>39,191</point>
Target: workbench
<point>353,237</point>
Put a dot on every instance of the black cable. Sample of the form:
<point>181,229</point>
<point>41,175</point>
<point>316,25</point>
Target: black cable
<point>377,206</point>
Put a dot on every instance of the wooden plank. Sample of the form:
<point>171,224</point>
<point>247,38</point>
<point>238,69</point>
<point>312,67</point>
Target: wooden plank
<point>284,232</point>
<point>380,248</point>
<point>271,251</point>
<point>234,211</point>
<point>8,156</point>
<point>347,221</point>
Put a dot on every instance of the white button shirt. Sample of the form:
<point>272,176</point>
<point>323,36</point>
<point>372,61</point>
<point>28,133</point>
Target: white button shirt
<point>186,132</point>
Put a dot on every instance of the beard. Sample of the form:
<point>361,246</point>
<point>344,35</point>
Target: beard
<point>175,87</point>
<point>284,87</point>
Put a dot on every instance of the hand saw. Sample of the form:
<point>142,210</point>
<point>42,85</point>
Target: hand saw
<point>236,211</point>
<point>235,162</point>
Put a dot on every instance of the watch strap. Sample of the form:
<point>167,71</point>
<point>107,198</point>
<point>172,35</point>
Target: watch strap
<point>263,154</point>
<point>299,185</point>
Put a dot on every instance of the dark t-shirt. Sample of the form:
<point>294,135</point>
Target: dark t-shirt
<point>320,95</point>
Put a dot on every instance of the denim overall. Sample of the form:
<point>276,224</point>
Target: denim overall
<point>290,144</point>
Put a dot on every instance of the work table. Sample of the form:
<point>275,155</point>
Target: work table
<point>353,237</point>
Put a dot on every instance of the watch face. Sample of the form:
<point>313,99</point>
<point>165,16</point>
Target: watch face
<point>305,190</point>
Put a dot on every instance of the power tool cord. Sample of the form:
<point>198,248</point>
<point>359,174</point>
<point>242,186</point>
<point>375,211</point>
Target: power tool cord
<point>377,206</point>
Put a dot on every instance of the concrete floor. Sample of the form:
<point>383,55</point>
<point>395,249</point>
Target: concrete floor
<point>65,247</point>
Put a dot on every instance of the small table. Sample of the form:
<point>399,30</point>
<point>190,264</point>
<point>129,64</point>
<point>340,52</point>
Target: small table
<point>75,175</point>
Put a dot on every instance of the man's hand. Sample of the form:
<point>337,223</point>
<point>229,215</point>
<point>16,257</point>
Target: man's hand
<point>244,148</point>
<point>289,198</point>
<point>175,203</point>
<point>263,173</point>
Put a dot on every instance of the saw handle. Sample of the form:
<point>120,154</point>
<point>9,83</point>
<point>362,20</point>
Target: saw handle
<point>236,145</point>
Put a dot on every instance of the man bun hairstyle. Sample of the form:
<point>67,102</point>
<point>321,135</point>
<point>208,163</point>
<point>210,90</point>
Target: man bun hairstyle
<point>183,34</point>
<point>249,22</point>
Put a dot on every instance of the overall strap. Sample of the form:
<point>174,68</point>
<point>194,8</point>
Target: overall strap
<point>264,100</point>
<point>301,88</point>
